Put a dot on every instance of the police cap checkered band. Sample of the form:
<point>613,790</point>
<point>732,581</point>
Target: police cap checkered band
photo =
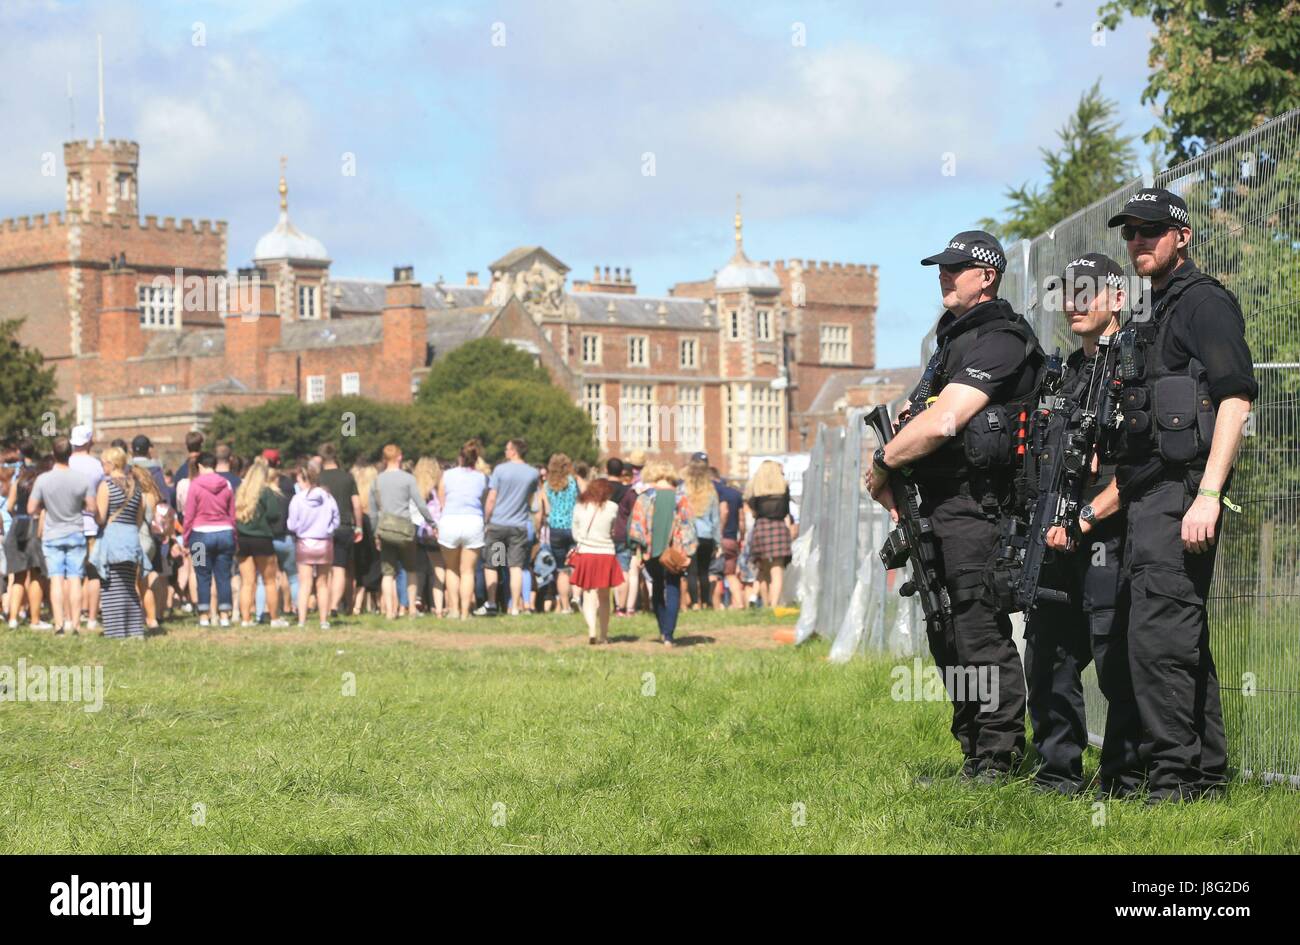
<point>1153,205</point>
<point>970,246</point>
<point>1096,266</point>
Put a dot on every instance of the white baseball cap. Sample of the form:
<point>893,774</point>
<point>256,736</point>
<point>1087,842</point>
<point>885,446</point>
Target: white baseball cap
<point>81,435</point>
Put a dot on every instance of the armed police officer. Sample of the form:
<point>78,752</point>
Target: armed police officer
<point>1188,388</point>
<point>1062,638</point>
<point>957,441</point>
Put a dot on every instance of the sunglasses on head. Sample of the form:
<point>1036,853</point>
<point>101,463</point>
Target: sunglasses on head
<point>952,269</point>
<point>1128,231</point>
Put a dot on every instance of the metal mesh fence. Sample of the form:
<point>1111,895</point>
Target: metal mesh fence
<point>1244,197</point>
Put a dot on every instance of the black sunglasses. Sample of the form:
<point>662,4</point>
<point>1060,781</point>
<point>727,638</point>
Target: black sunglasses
<point>1128,231</point>
<point>951,269</point>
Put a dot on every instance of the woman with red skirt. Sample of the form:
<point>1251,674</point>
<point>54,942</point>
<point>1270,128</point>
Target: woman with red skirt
<point>595,566</point>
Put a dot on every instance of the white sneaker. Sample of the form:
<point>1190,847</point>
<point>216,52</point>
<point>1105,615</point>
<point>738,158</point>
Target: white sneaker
<point>225,621</point>
<point>246,623</point>
<point>13,625</point>
<point>92,624</point>
<point>324,624</point>
<point>279,622</point>
<point>204,621</point>
<point>42,625</point>
<point>187,608</point>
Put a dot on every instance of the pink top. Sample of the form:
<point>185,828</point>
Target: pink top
<point>210,501</point>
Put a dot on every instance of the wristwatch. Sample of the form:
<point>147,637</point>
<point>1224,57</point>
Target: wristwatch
<point>1088,514</point>
<point>878,459</point>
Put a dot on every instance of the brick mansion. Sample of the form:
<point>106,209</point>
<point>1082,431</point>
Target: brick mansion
<point>750,360</point>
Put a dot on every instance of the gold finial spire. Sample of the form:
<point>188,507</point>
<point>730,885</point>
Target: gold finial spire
<point>284,187</point>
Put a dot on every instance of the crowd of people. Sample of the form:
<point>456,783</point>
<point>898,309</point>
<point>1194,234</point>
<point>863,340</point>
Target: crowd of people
<point>113,539</point>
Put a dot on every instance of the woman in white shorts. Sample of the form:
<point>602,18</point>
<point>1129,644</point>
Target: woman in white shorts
<point>460,529</point>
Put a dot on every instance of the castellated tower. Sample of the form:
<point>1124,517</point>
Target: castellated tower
<point>102,177</point>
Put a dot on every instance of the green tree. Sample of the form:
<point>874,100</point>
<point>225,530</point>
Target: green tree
<point>475,361</point>
<point>28,404</point>
<point>495,409</point>
<point>1218,67</point>
<point>1093,159</point>
<point>359,427</point>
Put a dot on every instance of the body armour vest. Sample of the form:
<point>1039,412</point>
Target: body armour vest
<point>1166,413</point>
<point>990,441</point>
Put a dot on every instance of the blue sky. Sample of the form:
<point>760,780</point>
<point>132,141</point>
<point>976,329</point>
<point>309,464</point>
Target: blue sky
<point>478,127</point>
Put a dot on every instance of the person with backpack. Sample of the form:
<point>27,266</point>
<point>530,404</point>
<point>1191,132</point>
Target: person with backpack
<point>983,377</point>
<point>393,497</point>
<point>209,535</point>
<point>258,504</point>
<point>661,527</point>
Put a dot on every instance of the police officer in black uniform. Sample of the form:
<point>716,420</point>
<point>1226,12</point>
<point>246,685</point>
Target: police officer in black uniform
<point>1188,388</point>
<point>1062,639</point>
<point>958,445</point>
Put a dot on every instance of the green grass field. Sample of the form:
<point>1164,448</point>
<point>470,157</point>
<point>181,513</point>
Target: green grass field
<point>512,735</point>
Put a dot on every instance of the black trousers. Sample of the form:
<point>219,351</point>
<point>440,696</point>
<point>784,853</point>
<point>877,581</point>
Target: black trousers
<point>1060,641</point>
<point>1174,679</point>
<point>979,642</point>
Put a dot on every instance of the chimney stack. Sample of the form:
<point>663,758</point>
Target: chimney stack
<point>405,335</point>
<point>471,278</point>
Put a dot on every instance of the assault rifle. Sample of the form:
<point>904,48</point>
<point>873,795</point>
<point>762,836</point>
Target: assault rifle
<point>913,540</point>
<point>1066,438</point>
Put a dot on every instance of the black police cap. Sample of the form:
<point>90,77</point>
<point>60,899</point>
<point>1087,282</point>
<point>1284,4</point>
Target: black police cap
<point>1155,205</point>
<point>971,246</point>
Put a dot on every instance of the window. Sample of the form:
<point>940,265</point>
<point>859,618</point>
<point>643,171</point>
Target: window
<point>157,306</point>
<point>593,402</point>
<point>689,350</point>
<point>755,415</point>
<point>636,415</point>
<point>166,388</point>
<point>124,186</point>
<point>767,419</point>
<point>736,404</point>
<point>763,325</point>
<point>307,301</point>
<point>636,351</point>
<point>350,384</point>
<point>75,182</point>
<point>835,344</point>
<point>735,326</point>
<point>146,389</point>
<point>591,349</point>
<point>315,388</point>
<point>690,419</point>
<point>86,409</point>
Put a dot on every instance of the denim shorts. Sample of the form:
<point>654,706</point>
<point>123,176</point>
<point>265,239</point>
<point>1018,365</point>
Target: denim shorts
<point>624,555</point>
<point>65,557</point>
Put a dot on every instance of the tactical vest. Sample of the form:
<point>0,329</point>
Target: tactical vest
<point>1169,414</point>
<point>1086,384</point>
<point>987,452</point>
